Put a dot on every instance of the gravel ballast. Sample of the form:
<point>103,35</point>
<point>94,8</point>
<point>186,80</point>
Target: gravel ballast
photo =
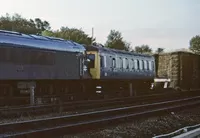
<point>147,127</point>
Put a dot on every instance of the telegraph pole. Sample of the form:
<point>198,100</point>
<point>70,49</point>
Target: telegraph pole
<point>92,34</point>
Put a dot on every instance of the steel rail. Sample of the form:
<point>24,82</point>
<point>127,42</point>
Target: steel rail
<point>78,122</point>
<point>14,112</point>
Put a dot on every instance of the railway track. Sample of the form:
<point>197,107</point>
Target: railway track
<point>62,125</point>
<point>23,111</point>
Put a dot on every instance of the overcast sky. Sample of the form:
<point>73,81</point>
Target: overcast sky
<point>159,23</point>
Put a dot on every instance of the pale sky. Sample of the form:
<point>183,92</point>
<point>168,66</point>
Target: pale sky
<point>159,23</point>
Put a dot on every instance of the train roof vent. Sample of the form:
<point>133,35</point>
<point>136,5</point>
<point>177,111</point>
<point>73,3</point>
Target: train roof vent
<point>39,37</point>
<point>72,42</point>
<point>54,38</point>
<point>10,32</point>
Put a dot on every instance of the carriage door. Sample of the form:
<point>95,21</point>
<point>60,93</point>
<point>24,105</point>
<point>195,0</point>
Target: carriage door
<point>94,64</point>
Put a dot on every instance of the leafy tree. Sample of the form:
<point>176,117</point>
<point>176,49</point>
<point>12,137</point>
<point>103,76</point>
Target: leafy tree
<point>195,44</point>
<point>115,40</point>
<point>143,49</point>
<point>41,25</point>
<point>48,33</point>
<point>160,50</point>
<point>76,35</point>
<point>20,24</point>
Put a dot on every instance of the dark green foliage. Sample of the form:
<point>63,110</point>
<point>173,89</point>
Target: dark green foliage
<point>143,49</point>
<point>76,35</point>
<point>115,40</point>
<point>160,50</point>
<point>20,24</point>
<point>195,44</point>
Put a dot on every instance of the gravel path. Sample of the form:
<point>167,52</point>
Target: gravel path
<point>147,127</point>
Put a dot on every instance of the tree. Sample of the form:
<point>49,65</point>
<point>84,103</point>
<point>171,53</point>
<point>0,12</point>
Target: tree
<point>20,24</point>
<point>41,25</point>
<point>143,49</point>
<point>160,50</point>
<point>48,33</point>
<point>195,44</point>
<point>115,40</point>
<point>76,35</point>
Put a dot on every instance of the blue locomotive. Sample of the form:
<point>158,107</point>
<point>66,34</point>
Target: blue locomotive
<point>56,66</point>
<point>36,60</point>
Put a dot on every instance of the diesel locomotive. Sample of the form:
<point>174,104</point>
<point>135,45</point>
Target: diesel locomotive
<point>54,66</point>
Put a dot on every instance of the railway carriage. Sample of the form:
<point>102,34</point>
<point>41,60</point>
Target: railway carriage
<point>114,69</point>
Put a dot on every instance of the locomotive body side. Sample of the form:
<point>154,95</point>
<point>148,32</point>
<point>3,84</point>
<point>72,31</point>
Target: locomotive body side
<point>30,58</point>
<point>50,65</point>
<point>32,64</point>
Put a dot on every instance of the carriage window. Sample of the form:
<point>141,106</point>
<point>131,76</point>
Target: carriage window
<point>150,66</point>
<point>104,58</point>
<point>127,63</point>
<point>136,64</point>
<point>141,64</point>
<point>101,61</point>
<point>120,63</point>
<point>113,63</point>
<point>124,63</point>
<point>145,65</point>
<point>131,64</point>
